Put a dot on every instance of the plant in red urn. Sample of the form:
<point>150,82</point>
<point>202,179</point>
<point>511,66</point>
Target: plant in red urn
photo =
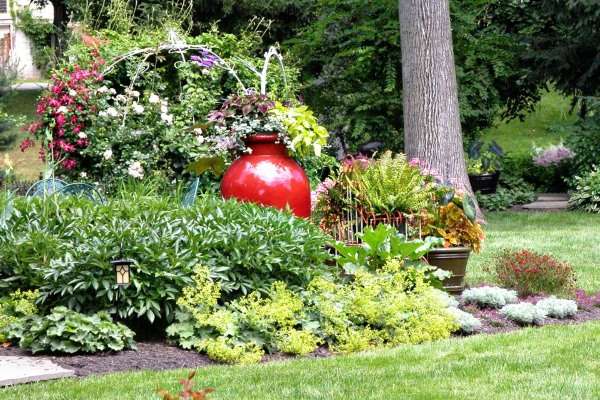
<point>264,136</point>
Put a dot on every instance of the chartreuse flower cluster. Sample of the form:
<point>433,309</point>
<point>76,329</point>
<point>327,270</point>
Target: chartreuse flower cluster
<point>383,308</point>
<point>17,305</point>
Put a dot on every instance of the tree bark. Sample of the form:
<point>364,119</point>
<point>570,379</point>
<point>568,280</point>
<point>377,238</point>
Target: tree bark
<point>432,131</point>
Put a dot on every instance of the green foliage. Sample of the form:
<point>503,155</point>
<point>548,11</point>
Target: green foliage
<point>383,244</point>
<point>512,191</point>
<point>67,331</point>
<point>390,184</point>
<point>586,195</point>
<point>585,141</point>
<point>64,247</point>
<point>319,168</point>
<point>387,307</point>
<point>351,62</point>
<point>16,305</point>
<point>39,31</point>
<point>307,136</point>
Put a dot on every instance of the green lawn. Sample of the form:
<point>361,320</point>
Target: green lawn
<point>548,363</point>
<point>27,165</point>
<point>547,124</point>
<point>568,236</point>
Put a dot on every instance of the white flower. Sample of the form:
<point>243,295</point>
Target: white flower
<point>154,99</point>
<point>83,174</point>
<point>107,154</point>
<point>82,135</point>
<point>198,131</point>
<point>62,110</point>
<point>121,99</point>
<point>112,112</point>
<point>72,93</point>
<point>138,108</point>
<point>200,139</point>
<point>103,89</point>
<point>164,109</point>
<point>103,114</point>
<point>136,170</point>
<point>132,93</point>
<point>112,91</point>
<point>167,118</point>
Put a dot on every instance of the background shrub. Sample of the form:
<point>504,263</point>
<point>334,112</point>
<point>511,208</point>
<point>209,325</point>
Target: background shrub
<point>64,246</point>
<point>586,195</point>
<point>531,273</point>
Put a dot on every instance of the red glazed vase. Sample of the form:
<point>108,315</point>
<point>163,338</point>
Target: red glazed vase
<point>268,176</point>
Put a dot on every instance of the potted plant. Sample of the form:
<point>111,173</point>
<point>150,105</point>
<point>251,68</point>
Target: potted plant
<point>483,166</point>
<point>371,191</point>
<point>453,220</point>
<point>262,135</point>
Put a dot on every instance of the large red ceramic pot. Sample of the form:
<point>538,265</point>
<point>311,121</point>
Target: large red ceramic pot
<point>268,176</point>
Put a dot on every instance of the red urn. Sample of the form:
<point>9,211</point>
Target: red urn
<point>268,176</point>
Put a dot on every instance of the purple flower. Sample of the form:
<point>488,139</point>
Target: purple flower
<point>205,59</point>
<point>552,155</point>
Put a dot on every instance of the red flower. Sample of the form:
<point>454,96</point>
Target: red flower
<point>27,143</point>
<point>69,164</point>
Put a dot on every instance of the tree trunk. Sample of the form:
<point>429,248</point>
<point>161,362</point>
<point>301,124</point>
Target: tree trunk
<point>60,25</point>
<point>432,131</point>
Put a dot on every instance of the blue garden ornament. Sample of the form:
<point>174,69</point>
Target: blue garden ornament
<point>83,190</point>
<point>45,187</point>
<point>190,196</point>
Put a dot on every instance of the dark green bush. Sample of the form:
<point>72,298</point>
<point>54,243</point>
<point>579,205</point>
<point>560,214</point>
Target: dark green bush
<point>67,331</point>
<point>64,246</point>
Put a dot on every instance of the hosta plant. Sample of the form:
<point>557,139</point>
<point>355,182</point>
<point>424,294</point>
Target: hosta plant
<point>67,331</point>
<point>531,273</point>
<point>524,313</point>
<point>489,296</point>
<point>586,196</point>
<point>557,308</point>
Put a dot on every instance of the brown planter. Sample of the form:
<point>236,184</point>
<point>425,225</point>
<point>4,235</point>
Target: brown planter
<point>453,259</point>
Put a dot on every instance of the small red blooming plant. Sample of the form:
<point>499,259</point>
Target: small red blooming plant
<point>187,392</point>
<point>64,113</point>
<point>531,273</point>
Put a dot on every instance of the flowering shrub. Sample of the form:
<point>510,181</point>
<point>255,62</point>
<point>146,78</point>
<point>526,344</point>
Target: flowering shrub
<point>586,195</point>
<point>147,114</point>
<point>524,313</point>
<point>552,155</point>
<point>532,273</point>
<point>65,114</point>
<point>489,296</point>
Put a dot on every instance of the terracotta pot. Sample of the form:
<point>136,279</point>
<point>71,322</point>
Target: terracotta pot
<point>268,176</point>
<point>485,183</point>
<point>452,259</point>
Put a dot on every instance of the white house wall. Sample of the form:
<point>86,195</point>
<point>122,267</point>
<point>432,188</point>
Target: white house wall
<point>20,44</point>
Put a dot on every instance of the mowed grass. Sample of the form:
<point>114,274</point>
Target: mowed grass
<point>546,363</point>
<point>569,236</point>
<point>27,164</point>
<point>549,123</point>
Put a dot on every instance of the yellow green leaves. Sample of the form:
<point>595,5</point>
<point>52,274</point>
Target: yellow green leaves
<point>303,129</point>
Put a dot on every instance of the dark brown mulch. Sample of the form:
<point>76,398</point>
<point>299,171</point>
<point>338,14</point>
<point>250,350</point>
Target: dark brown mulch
<point>149,355</point>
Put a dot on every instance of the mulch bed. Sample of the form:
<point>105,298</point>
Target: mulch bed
<point>158,356</point>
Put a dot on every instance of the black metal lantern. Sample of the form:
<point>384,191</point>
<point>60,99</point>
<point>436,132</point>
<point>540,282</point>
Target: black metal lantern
<point>122,269</point>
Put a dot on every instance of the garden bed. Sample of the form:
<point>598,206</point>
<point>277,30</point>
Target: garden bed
<point>158,356</point>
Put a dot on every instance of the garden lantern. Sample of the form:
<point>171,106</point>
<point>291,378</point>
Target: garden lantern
<point>122,268</point>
